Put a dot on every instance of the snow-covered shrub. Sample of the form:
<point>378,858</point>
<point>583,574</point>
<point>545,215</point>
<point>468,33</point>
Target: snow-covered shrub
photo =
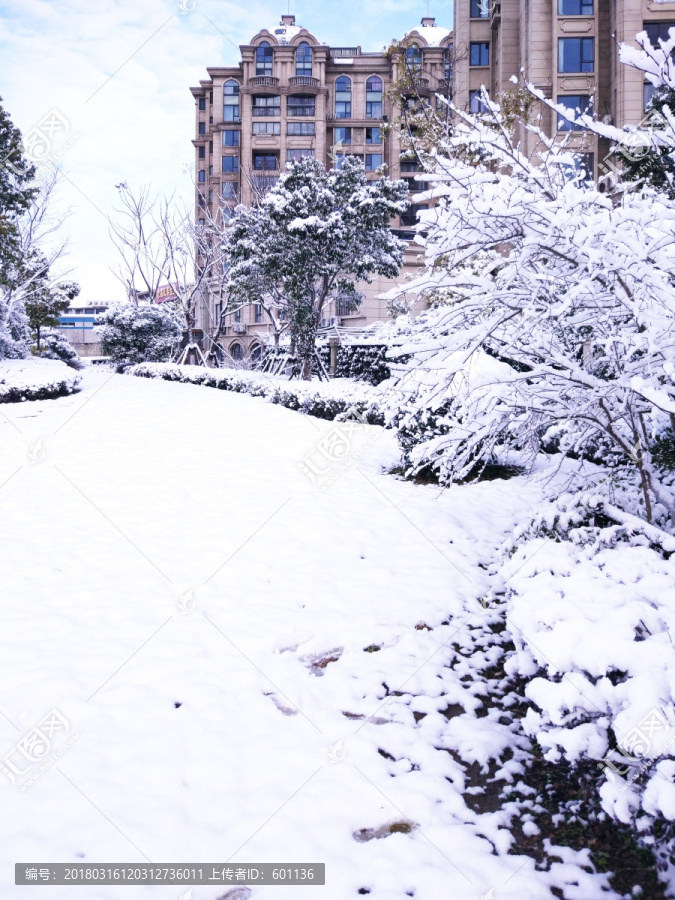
<point>14,333</point>
<point>56,346</point>
<point>35,379</point>
<point>134,333</point>
<point>363,362</point>
<point>333,400</point>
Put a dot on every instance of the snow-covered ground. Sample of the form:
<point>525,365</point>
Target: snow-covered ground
<point>228,610</point>
<point>33,377</point>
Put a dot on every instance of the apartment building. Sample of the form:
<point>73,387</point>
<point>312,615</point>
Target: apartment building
<point>567,48</point>
<point>291,96</point>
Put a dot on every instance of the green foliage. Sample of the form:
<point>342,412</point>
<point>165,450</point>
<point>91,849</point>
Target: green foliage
<point>133,333</point>
<point>16,175</point>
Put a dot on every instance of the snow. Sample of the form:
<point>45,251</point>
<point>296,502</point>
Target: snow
<point>34,375</point>
<point>174,584</point>
<point>434,35</point>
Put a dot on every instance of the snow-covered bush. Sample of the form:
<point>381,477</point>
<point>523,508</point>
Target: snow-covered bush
<point>333,400</point>
<point>56,346</point>
<point>134,333</point>
<point>14,333</point>
<point>35,379</point>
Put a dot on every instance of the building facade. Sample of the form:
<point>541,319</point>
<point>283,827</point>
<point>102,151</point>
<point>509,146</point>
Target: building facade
<point>566,48</point>
<point>77,325</point>
<point>291,96</point>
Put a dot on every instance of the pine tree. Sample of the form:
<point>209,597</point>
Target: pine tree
<point>16,176</point>
<point>46,300</point>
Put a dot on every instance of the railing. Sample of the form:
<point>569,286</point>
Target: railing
<point>344,52</point>
<point>445,83</point>
<point>300,110</point>
<point>262,80</point>
<point>266,111</point>
<point>307,80</point>
<point>418,83</point>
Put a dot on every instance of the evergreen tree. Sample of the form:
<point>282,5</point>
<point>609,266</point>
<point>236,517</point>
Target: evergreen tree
<point>134,333</point>
<point>16,175</point>
<point>310,239</point>
<point>46,301</point>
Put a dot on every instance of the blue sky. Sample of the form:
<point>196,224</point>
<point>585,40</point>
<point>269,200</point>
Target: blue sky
<point>57,59</point>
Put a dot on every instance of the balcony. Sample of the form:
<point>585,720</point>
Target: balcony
<point>445,84</point>
<point>263,81</point>
<point>420,84</point>
<point>303,81</point>
<point>344,52</point>
<point>259,111</point>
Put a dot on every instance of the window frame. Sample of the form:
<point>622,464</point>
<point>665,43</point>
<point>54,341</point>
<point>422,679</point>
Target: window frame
<point>379,135</point>
<point>302,67</point>
<point>482,49</point>
<point>235,140</point>
<point>584,43</point>
<point>264,61</point>
<point>306,108</point>
<point>304,129</point>
<point>482,7</point>
<point>343,108</point>
<point>374,106</point>
<point>581,4</point>
<point>231,168</point>
<point>581,108</point>
<point>370,166</point>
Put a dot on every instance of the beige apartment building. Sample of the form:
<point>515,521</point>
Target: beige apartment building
<point>292,96</point>
<point>567,48</point>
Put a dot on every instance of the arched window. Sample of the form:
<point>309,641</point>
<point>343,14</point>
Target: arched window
<point>231,101</point>
<point>343,98</point>
<point>413,59</point>
<point>263,59</point>
<point>237,352</point>
<point>303,59</point>
<point>256,354</point>
<point>374,98</point>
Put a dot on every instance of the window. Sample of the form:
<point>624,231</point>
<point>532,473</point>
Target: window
<point>230,138</point>
<point>237,315</point>
<point>410,165</point>
<point>257,309</point>
<point>476,102</point>
<point>415,186</point>
<point>340,160</point>
<point>202,152</point>
<point>202,176</point>
<point>202,222</point>
<point>584,166</point>
<point>202,103</point>
<point>266,162</point>
<point>657,31</point>
<point>298,153</point>
<point>256,353</point>
<point>575,7</point>
<point>300,128</point>
<point>343,98</point>
<point>202,128</point>
<point>266,105</point>
<point>480,9</point>
<point>374,98</point>
<point>576,103</point>
<point>373,136</point>
<point>409,217</point>
<point>231,101</point>
<point>648,91</point>
<point>342,135</point>
<point>266,128</point>
<point>373,161</point>
<point>211,196</point>
<point>300,105</point>
<point>229,190</point>
<point>211,97</point>
<point>210,146</point>
<point>303,59</point>
<point>479,53</point>
<point>448,63</point>
<point>576,54</point>
<point>230,164</point>
<point>264,59</point>
<point>210,170</point>
<point>237,352</point>
<point>413,59</point>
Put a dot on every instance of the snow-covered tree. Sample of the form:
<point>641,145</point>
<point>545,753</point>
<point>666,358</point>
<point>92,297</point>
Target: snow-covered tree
<point>567,340</point>
<point>309,240</point>
<point>138,332</point>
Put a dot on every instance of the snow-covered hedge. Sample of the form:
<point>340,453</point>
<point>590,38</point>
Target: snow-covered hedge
<point>325,400</point>
<point>35,379</point>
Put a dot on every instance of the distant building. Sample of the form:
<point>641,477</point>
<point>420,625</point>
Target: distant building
<point>291,96</point>
<point>77,325</point>
<point>566,48</point>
